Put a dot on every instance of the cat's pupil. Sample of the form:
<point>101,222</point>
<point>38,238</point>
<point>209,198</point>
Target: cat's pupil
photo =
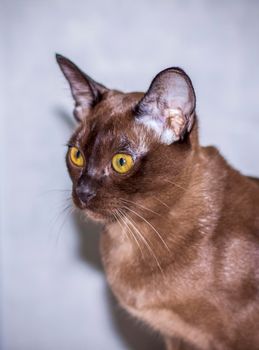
<point>122,161</point>
<point>77,154</point>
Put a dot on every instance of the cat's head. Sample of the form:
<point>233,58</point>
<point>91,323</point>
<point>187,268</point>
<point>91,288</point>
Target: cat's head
<point>128,147</point>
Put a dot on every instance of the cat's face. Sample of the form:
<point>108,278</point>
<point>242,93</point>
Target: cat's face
<point>126,145</point>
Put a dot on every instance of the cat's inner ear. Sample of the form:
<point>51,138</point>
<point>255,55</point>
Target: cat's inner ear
<point>85,91</point>
<point>168,107</point>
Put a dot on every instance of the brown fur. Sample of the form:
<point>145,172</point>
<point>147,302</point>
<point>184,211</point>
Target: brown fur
<point>195,275</point>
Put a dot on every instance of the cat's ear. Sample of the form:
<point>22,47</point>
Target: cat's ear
<point>168,107</point>
<point>85,91</point>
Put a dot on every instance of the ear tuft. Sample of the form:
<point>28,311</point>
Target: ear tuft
<point>168,107</point>
<point>85,91</point>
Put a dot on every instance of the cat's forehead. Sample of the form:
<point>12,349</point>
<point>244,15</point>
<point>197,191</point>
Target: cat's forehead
<point>116,103</point>
<point>112,126</point>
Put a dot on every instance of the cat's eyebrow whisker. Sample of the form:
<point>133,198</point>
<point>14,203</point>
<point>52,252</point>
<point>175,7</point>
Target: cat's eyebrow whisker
<point>134,225</point>
<point>139,205</point>
<point>123,217</point>
<point>150,225</point>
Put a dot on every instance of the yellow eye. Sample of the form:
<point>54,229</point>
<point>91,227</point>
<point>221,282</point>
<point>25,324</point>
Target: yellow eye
<point>76,157</point>
<point>122,163</point>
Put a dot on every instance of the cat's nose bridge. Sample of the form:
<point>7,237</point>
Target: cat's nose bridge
<point>94,170</point>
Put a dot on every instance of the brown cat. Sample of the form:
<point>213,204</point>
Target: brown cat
<point>181,227</point>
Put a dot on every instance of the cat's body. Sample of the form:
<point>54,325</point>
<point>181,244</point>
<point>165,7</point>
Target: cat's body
<point>208,292</point>
<point>180,245</point>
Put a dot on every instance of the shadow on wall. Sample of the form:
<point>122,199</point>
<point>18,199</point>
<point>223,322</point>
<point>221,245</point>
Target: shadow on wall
<point>135,334</point>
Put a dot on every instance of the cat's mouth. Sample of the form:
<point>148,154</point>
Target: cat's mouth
<point>94,209</point>
<point>93,212</point>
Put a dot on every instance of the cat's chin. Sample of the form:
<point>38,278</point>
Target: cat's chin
<point>97,216</point>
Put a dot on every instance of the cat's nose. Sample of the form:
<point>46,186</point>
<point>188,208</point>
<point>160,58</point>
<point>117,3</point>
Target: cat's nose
<point>85,193</point>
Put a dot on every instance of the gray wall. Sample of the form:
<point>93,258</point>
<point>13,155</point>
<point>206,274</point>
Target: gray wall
<point>54,294</point>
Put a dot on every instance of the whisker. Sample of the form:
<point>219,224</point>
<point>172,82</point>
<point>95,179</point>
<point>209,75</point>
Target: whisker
<point>139,205</point>
<point>154,229</point>
<point>123,217</point>
<point>51,191</point>
<point>64,204</point>
<point>163,203</point>
<point>175,184</point>
<point>133,224</point>
<point>61,212</point>
<point>62,224</point>
<point>118,219</point>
